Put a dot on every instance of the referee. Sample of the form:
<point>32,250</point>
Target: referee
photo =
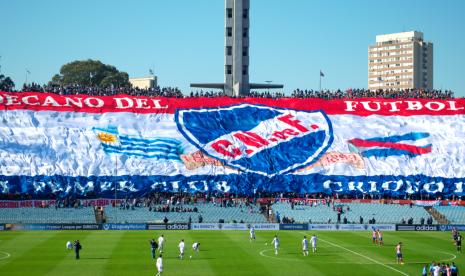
<point>154,247</point>
<point>458,240</point>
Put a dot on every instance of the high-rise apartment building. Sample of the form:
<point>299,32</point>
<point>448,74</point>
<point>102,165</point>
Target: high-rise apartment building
<point>400,61</point>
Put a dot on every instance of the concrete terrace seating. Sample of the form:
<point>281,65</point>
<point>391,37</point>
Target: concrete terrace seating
<point>47,215</point>
<point>384,214</point>
<point>209,213</point>
<point>455,214</point>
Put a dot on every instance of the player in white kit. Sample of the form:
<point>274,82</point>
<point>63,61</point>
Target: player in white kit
<point>252,235</point>
<point>305,245</point>
<point>181,247</point>
<point>160,243</point>
<point>195,246</point>
<point>159,265</point>
<point>276,243</point>
<point>69,245</point>
<point>313,241</point>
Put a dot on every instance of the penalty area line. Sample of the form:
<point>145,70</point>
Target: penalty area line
<point>361,256</point>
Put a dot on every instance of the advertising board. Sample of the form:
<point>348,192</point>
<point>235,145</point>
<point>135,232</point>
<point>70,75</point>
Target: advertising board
<point>450,227</point>
<point>168,226</point>
<point>234,226</point>
<point>5,227</point>
<point>293,227</point>
<point>49,226</point>
<point>124,226</point>
<point>417,227</point>
<point>352,227</point>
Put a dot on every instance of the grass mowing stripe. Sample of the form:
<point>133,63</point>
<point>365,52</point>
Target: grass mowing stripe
<point>363,256</point>
<point>251,251</point>
<point>222,253</point>
<point>200,264</point>
<point>97,247</point>
<point>48,250</point>
<point>290,252</point>
<point>18,243</point>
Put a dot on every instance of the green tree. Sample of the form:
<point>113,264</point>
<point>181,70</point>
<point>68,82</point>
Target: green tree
<point>6,82</point>
<point>79,72</point>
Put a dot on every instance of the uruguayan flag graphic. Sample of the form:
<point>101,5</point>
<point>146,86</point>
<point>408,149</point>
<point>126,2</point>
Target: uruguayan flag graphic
<point>162,149</point>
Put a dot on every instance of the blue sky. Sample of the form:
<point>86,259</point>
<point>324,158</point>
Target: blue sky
<point>290,41</point>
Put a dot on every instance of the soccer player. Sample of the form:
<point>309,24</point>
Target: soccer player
<point>305,245</point>
<point>195,246</point>
<point>459,239</point>
<point>160,243</point>
<point>313,241</point>
<point>380,236</point>
<point>454,232</point>
<point>159,265</point>
<point>252,235</point>
<point>448,271</point>
<point>436,270</point>
<point>375,238</point>
<point>181,247</point>
<point>399,253</point>
<point>454,270</point>
<point>69,245</point>
<point>276,243</point>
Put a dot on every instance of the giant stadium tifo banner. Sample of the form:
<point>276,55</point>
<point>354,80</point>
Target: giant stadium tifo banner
<point>77,144</point>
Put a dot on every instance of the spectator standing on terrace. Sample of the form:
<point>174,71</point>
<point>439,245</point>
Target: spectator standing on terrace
<point>361,220</point>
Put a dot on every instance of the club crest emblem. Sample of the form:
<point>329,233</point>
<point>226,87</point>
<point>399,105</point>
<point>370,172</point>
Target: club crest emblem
<point>257,138</point>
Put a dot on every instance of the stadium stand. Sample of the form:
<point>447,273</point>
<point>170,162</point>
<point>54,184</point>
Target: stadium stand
<point>174,92</point>
<point>383,213</point>
<point>47,215</point>
<point>209,212</point>
<point>455,214</point>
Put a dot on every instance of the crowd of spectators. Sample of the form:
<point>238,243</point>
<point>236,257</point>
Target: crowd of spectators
<point>174,92</point>
<point>233,199</point>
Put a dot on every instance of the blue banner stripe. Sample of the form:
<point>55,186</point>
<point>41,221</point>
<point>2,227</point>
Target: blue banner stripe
<point>397,138</point>
<point>234,183</point>
<point>149,140</point>
<point>144,149</point>
<point>387,152</point>
<point>173,157</point>
<point>153,144</point>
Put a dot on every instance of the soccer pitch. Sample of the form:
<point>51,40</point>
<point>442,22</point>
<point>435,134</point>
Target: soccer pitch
<point>222,253</point>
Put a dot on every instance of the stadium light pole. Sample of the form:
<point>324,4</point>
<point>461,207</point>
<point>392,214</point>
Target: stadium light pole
<point>268,88</point>
<point>116,188</point>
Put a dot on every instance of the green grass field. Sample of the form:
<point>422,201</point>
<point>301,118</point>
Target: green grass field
<point>222,253</point>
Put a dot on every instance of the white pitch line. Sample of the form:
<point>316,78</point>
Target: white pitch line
<point>6,254</point>
<point>361,255</point>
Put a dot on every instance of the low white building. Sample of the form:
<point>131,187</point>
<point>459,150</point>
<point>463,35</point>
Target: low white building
<point>144,82</point>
